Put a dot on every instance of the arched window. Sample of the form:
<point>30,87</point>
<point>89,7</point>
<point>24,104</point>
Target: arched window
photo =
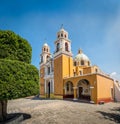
<point>66,46</point>
<point>88,63</point>
<point>75,63</point>
<point>61,35</point>
<point>47,50</point>
<point>82,62</point>
<point>47,57</point>
<point>48,70</point>
<point>80,72</point>
<point>58,47</point>
<point>96,70</point>
<point>44,49</point>
<point>41,59</point>
<point>58,36</point>
<point>65,35</point>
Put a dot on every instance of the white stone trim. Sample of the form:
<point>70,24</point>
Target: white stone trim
<point>91,87</point>
<point>50,76</point>
<point>75,87</point>
<point>58,54</point>
<point>75,99</point>
<point>92,102</point>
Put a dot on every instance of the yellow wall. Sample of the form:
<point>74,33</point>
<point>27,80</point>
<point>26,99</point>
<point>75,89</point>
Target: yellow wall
<point>58,78</point>
<point>70,66</point>
<point>87,70</point>
<point>104,86</point>
<point>63,67</point>
<point>67,66</point>
<point>58,96</point>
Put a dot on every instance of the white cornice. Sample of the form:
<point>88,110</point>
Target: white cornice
<point>62,39</point>
<point>60,53</point>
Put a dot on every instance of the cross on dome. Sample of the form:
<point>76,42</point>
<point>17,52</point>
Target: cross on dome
<point>80,51</point>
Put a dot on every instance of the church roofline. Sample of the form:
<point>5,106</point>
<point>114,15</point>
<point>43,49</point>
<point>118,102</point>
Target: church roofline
<point>103,75</point>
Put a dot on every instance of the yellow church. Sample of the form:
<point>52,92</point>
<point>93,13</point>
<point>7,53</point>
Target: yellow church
<point>63,76</point>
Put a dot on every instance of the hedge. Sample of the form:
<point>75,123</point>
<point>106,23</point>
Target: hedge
<point>17,79</point>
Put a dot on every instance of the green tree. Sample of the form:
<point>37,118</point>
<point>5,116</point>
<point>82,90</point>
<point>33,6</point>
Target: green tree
<point>18,78</point>
<point>14,47</point>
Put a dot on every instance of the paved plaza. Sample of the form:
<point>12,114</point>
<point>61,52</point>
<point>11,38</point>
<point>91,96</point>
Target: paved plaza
<point>65,112</point>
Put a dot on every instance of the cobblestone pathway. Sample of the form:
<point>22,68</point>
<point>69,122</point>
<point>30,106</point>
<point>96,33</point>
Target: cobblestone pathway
<point>65,112</point>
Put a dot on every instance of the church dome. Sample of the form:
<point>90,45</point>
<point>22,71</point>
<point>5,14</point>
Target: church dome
<point>81,56</point>
<point>81,59</point>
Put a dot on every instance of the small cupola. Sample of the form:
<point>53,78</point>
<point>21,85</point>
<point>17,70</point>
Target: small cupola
<point>79,51</point>
<point>62,33</point>
<point>46,48</point>
<point>45,56</point>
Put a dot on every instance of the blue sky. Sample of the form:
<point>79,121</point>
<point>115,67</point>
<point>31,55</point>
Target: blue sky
<point>93,25</point>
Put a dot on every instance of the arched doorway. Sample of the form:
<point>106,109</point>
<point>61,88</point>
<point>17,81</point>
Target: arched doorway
<point>49,90</point>
<point>68,90</point>
<point>83,89</point>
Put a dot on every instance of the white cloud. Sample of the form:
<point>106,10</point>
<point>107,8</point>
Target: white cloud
<point>115,75</point>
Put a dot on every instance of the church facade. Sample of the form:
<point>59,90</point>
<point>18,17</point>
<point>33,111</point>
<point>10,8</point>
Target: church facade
<point>63,76</point>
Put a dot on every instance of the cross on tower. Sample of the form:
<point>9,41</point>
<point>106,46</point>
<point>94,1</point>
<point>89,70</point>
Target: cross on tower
<point>61,26</point>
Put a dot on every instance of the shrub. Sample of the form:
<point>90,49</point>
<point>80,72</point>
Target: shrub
<point>17,79</point>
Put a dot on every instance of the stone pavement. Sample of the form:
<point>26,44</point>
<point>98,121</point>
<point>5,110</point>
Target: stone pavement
<point>65,112</point>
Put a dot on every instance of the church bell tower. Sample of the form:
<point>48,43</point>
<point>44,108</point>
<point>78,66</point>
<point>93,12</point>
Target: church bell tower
<point>63,62</point>
<point>45,55</point>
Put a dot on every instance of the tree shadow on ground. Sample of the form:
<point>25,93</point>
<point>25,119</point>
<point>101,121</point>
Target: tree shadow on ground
<point>38,98</point>
<point>34,97</point>
<point>16,118</point>
<point>112,116</point>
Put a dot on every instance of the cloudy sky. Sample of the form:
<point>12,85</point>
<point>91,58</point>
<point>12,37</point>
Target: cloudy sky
<point>93,26</point>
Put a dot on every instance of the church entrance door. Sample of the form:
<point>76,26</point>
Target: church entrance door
<point>84,89</point>
<point>49,90</point>
<point>80,91</point>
